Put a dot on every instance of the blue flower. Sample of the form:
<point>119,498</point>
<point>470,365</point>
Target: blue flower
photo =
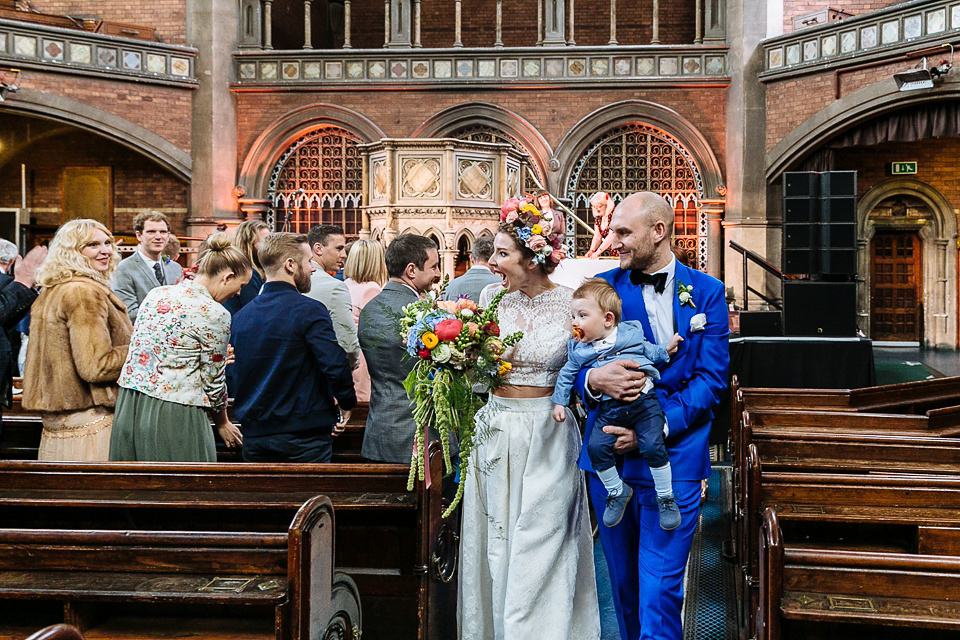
<point>524,233</point>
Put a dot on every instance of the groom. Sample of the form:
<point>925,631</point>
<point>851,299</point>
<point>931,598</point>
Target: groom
<point>647,563</point>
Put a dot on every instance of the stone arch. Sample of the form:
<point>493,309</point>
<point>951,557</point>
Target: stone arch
<point>461,234</point>
<point>84,116</point>
<point>847,112</point>
<point>939,258</point>
<point>449,120</point>
<point>581,136</point>
<point>279,135</point>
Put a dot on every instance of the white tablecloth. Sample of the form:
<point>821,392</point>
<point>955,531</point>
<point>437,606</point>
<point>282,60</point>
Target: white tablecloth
<point>571,273</point>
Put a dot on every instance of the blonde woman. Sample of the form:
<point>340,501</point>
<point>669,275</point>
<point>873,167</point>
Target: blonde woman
<point>172,383</point>
<point>602,206</point>
<point>365,272</point>
<point>79,334</point>
<point>246,239</point>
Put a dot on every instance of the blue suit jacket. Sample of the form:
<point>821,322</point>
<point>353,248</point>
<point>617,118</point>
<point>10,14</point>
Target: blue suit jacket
<point>691,384</point>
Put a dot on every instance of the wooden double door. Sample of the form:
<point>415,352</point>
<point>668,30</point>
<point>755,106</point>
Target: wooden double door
<point>896,286</point>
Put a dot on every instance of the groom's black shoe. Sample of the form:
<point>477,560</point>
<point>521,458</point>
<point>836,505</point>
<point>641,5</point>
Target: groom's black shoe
<point>616,506</point>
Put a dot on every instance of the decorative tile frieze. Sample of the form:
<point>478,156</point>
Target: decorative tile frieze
<point>579,65</point>
<point>891,31</point>
<point>65,51</point>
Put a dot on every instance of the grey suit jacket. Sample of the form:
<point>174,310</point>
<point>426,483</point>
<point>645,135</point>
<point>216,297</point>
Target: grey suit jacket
<point>134,279</point>
<point>390,426</point>
<point>335,297</point>
<point>471,284</point>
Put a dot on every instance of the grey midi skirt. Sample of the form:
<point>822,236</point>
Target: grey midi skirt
<point>146,429</point>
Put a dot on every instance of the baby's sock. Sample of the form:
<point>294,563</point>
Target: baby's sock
<point>662,481</point>
<point>611,480</point>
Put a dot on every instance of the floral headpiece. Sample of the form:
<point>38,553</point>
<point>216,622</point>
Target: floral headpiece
<point>533,228</point>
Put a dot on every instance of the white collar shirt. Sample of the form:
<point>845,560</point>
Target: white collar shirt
<point>605,344</point>
<point>151,263</point>
<point>660,305</point>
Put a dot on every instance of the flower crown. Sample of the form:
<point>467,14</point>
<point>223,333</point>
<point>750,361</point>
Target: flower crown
<point>533,228</point>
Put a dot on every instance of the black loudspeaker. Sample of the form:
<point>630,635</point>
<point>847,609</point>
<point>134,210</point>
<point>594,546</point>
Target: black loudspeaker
<point>822,309</point>
<point>801,218</point>
<point>761,323</point>
<point>820,223</point>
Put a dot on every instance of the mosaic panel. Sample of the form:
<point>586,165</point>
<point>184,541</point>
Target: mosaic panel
<point>25,46</point>
<point>419,69</point>
<point>82,53</point>
<point>486,68</point>
<point>890,32</point>
<point>811,50</point>
<point>180,66</point>
<point>936,21</point>
<point>248,71</point>
<point>715,65</point>
<point>132,60</point>
<point>577,67</point>
<point>107,57</point>
<point>268,70</point>
<point>553,67</point>
<point>868,37</point>
<point>377,70</point>
<point>912,27</point>
<point>622,66</point>
<point>509,68</point>
<point>828,46</point>
<point>691,66</point>
<point>668,66</point>
<point>53,49</point>
<point>311,70</point>
<point>442,68</point>
<point>531,68</point>
<point>398,69</point>
<point>775,58</point>
<point>3,42</point>
<point>599,66</point>
<point>955,16</point>
<point>464,68</point>
<point>793,54</point>
<point>354,69</point>
<point>645,66</point>
<point>156,64</point>
<point>848,41</point>
<point>291,70</point>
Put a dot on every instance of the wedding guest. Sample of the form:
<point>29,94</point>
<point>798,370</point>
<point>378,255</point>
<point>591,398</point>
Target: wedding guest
<point>247,237</point>
<point>602,206</point>
<point>294,386</point>
<point>146,268</point>
<point>413,266</point>
<point>172,382</point>
<point>327,243</point>
<point>479,275</point>
<point>172,251</point>
<point>526,553</point>
<point>8,253</point>
<point>79,334</point>
<point>17,293</point>
<point>647,563</point>
<point>544,202</point>
<point>366,273</point>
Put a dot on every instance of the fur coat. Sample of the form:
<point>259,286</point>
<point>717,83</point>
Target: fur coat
<point>79,334</point>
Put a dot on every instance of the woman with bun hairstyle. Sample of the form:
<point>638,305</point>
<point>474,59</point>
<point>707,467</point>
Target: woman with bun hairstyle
<point>246,239</point>
<point>79,333</point>
<point>173,380</point>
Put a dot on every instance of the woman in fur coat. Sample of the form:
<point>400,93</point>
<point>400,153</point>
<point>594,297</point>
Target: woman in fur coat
<point>79,334</point>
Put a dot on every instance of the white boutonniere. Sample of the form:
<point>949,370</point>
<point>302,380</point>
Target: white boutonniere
<point>698,322</point>
<point>685,295</point>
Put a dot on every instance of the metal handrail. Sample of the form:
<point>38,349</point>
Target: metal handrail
<point>566,209</point>
<point>748,257</point>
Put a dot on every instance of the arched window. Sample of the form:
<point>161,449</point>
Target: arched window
<point>639,157</point>
<point>485,133</point>
<point>318,180</point>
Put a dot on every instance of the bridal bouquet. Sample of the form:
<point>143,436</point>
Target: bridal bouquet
<point>458,346</point>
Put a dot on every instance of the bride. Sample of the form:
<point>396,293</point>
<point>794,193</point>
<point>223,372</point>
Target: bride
<point>526,557</point>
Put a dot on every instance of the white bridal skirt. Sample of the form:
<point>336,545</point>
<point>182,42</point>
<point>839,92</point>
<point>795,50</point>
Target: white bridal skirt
<point>526,554</point>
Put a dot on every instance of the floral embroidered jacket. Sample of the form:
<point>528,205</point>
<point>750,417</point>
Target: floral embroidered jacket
<point>179,346</point>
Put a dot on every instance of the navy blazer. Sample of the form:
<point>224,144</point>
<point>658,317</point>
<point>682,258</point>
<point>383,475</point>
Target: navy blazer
<point>289,369</point>
<point>691,384</point>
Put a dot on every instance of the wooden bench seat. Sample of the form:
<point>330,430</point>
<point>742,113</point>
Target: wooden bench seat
<point>867,588</point>
<point>93,573</point>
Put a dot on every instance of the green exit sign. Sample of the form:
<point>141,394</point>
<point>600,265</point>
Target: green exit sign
<point>903,168</point>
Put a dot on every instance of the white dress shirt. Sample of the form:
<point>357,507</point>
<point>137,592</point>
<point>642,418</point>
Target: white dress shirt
<point>660,305</point>
<point>151,263</point>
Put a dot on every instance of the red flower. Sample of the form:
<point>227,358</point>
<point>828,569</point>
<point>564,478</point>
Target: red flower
<point>448,329</point>
<point>163,308</point>
<point>144,358</point>
<point>424,353</point>
<point>218,357</point>
<point>492,328</point>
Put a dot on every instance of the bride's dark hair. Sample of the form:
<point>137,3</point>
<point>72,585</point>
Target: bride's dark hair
<point>547,266</point>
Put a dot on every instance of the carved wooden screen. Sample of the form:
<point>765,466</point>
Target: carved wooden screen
<point>639,157</point>
<point>318,180</point>
<point>484,133</point>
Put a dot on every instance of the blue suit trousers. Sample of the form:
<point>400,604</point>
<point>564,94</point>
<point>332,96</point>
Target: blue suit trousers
<point>647,563</point>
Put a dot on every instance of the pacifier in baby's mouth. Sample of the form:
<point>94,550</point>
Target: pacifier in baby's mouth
<point>578,334</point>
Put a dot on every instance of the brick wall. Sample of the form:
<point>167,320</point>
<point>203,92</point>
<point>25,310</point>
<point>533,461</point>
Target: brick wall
<point>163,110</point>
<point>795,8</point>
<point>553,113</point>
<point>168,17</point>
<point>591,23</point>
<point>138,183</point>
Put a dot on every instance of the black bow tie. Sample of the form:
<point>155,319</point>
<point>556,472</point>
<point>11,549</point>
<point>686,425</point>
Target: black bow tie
<point>658,280</point>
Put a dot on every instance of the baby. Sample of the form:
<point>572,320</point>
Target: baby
<point>600,337</point>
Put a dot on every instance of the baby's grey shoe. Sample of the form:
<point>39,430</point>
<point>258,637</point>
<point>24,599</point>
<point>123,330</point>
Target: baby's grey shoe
<point>669,513</point>
<point>616,505</point>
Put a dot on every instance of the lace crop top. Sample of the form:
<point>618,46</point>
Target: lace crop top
<point>546,324</point>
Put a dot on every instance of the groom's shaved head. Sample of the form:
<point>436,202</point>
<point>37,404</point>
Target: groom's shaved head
<point>650,208</point>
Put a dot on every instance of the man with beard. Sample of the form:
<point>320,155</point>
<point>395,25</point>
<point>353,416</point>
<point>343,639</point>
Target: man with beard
<point>646,562</point>
<point>291,375</point>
